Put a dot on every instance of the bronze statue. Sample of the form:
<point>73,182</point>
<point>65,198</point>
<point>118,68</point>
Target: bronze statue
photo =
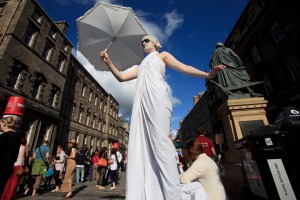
<point>235,73</point>
<point>234,79</point>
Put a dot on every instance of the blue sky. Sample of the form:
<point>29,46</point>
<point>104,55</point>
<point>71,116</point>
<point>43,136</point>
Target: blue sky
<point>188,30</point>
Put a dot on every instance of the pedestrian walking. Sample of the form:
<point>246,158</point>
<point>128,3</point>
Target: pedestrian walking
<point>113,168</point>
<point>39,167</point>
<point>18,171</point>
<point>9,148</point>
<point>102,170</point>
<point>207,144</point>
<point>70,170</point>
<point>80,161</point>
<point>59,166</point>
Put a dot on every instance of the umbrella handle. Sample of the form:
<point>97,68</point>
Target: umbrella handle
<point>113,39</point>
<point>108,46</point>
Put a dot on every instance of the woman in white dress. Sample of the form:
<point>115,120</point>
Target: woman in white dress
<point>152,170</point>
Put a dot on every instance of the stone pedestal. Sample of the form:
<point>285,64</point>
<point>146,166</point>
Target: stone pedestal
<point>240,117</point>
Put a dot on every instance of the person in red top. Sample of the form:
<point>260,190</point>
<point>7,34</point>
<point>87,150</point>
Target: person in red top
<point>207,144</point>
<point>95,165</point>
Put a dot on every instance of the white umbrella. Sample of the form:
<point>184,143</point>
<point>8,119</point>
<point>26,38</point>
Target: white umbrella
<point>115,29</point>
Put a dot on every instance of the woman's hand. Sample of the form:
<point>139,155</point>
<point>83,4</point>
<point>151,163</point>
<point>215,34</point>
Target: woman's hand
<point>215,70</point>
<point>104,57</point>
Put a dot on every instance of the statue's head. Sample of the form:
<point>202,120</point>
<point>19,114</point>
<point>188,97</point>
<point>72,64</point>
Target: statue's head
<point>219,44</point>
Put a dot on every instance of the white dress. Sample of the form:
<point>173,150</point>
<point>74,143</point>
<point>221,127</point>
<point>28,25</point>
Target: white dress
<point>151,170</point>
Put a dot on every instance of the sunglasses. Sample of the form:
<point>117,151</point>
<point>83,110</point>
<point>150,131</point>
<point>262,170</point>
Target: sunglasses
<point>146,41</point>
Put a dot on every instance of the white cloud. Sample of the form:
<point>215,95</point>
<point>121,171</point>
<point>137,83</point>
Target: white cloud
<point>173,21</point>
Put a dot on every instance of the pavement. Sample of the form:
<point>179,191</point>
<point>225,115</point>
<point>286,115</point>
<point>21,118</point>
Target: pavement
<point>82,191</point>
<point>88,191</point>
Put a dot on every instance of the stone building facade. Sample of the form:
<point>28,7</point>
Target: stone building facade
<point>63,101</point>
<point>34,59</point>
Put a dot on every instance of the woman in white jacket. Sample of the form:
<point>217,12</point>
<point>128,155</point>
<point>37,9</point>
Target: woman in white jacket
<point>203,170</point>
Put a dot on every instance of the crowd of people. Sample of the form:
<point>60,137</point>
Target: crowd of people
<point>22,170</point>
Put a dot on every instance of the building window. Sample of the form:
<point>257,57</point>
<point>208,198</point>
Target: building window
<point>85,140</point>
<point>293,65</point>
<point>101,104</point>
<point>38,85</point>
<point>37,16</point>
<point>30,35</point>
<point>54,96</point>
<point>268,85</point>
<point>90,95</point>
<point>47,52</point>
<point>105,108</point>
<point>16,76</point>
<point>255,54</point>
<point>277,32</point>
<point>73,111</point>
<point>103,127</point>
<point>92,144</point>
<point>2,6</point>
<point>83,90</point>
<point>76,85</point>
<point>61,63</point>
<point>88,118</point>
<point>96,100</point>
<point>65,47</point>
<point>94,122</point>
<point>99,125</point>
<point>52,33</point>
<point>77,136</point>
<point>80,119</point>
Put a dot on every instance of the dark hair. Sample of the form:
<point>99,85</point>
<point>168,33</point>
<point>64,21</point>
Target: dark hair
<point>23,141</point>
<point>45,142</point>
<point>192,149</point>
<point>102,151</point>
<point>114,151</point>
<point>200,130</point>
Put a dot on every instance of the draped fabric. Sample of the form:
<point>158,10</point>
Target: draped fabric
<point>193,191</point>
<point>152,170</point>
<point>235,73</point>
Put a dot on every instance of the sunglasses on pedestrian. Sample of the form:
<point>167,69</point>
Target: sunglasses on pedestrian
<point>146,41</point>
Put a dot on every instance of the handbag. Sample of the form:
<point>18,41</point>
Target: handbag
<point>102,162</point>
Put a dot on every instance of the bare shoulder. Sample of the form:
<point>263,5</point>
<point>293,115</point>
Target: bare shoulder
<point>164,55</point>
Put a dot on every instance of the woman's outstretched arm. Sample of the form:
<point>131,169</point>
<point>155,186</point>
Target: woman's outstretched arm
<point>121,77</point>
<point>175,64</point>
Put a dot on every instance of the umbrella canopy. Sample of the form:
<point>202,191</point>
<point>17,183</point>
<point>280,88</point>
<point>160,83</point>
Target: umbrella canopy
<point>115,29</point>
